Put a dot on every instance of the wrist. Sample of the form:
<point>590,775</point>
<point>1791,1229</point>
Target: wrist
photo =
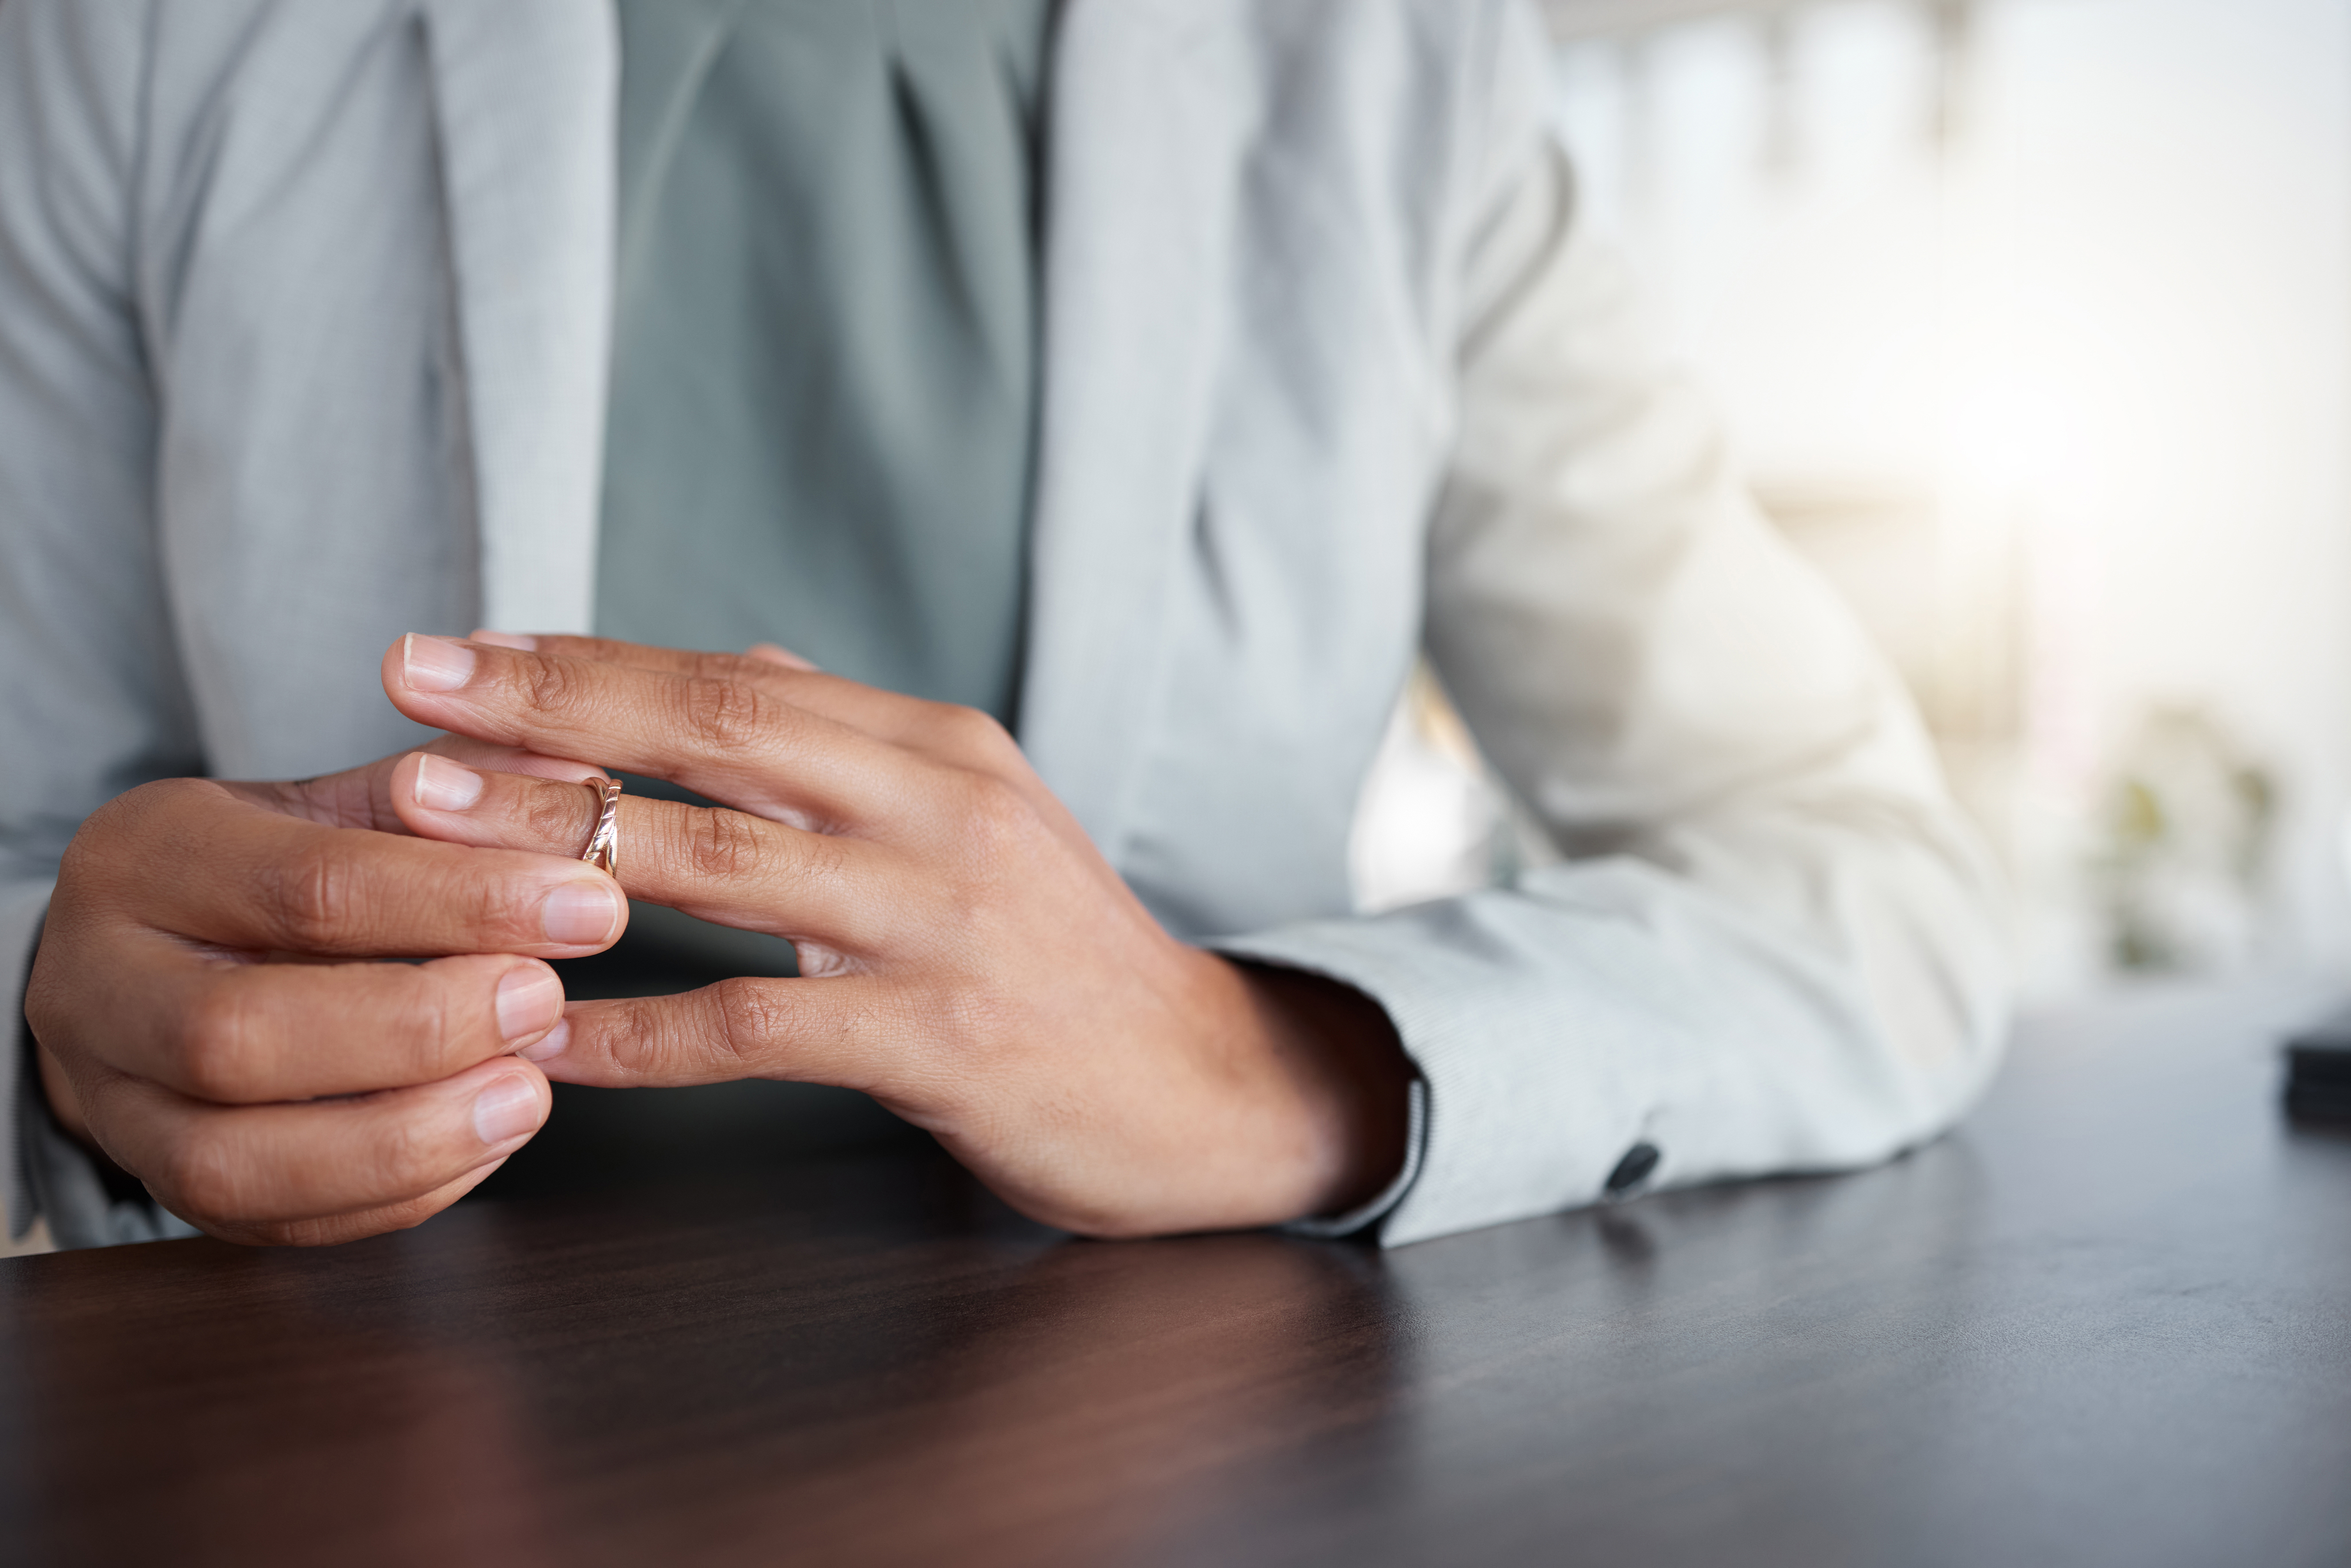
<point>1348,1078</point>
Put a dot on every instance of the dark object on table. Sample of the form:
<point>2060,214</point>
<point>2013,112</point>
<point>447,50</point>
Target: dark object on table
<point>2318,1071</point>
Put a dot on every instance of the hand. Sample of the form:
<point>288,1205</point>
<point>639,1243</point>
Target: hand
<point>967,957</point>
<point>199,1021</point>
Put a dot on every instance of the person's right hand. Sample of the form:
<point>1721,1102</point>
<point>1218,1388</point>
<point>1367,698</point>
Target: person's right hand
<point>201,1022</point>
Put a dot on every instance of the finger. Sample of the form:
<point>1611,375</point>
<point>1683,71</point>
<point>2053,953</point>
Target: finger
<point>220,870</point>
<point>728,737</point>
<point>760,659</point>
<point>715,864</point>
<point>481,754</point>
<point>362,797</point>
<point>936,728</point>
<point>847,1033</point>
<point>245,1033</point>
<point>334,1230</point>
<point>964,736</point>
<point>224,1168</point>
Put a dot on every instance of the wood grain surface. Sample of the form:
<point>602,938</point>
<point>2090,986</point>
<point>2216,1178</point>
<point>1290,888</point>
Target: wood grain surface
<point>2109,1321</point>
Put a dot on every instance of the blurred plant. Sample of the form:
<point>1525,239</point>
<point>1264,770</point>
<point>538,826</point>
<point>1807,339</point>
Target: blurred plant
<point>2185,841</point>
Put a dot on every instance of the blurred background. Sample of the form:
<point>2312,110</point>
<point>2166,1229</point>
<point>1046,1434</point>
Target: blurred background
<point>2033,320</point>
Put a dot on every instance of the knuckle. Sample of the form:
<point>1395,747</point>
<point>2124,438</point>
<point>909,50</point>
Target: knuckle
<point>500,911</point>
<point>219,1043</point>
<point>546,684</point>
<point>556,815</point>
<point>404,1159</point>
<point>87,850</point>
<point>433,1031</point>
<point>721,844</point>
<point>995,817</point>
<point>203,1177</point>
<point>84,858</point>
<point>314,895</point>
<point>970,734</point>
<point>47,1007</point>
<point>724,715</point>
<point>634,1041</point>
<point>159,797</point>
<point>106,842</point>
<point>57,989</point>
<point>748,1019</point>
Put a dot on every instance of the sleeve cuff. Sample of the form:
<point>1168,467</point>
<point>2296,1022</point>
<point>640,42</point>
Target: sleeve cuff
<point>69,1192</point>
<point>1365,1215</point>
<point>1545,1058</point>
<point>48,1175</point>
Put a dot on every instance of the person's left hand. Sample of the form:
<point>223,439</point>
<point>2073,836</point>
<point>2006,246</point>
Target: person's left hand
<point>967,957</point>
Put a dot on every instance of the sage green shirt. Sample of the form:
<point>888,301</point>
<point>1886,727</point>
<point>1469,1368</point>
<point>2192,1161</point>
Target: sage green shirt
<point>823,412</point>
<point>824,393</point>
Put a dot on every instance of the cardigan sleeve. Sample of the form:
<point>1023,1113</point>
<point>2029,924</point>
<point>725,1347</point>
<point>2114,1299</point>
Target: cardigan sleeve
<point>1773,942</point>
<point>93,702</point>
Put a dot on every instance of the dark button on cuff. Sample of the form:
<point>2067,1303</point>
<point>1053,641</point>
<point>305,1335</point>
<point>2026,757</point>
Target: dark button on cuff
<point>1633,1168</point>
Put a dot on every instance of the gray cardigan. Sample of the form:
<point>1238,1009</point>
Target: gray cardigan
<point>304,311</point>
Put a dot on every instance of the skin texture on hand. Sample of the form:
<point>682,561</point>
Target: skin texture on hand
<point>212,1013</point>
<point>967,957</point>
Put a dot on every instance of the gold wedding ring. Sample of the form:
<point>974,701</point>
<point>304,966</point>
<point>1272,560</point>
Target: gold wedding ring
<point>603,850</point>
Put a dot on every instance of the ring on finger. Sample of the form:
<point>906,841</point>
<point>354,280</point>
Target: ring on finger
<point>603,850</point>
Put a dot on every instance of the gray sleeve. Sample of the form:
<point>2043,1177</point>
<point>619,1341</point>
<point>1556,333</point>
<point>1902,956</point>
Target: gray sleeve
<point>93,702</point>
<point>1774,944</point>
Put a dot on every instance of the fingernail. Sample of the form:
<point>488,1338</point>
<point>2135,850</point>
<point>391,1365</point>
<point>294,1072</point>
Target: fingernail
<point>516,640</point>
<point>507,1109</point>
<point>445,786</point>
<point>583,914</point>
<point>530,998</point>
<point>434,663</point>
<point>550,1048</point>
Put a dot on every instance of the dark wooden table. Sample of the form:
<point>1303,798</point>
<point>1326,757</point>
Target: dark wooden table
<point>2109,1321</point>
